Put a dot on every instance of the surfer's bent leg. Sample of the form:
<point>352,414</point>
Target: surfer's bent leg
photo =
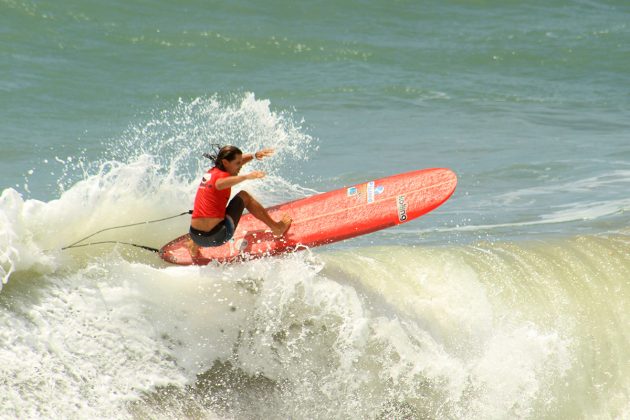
<point>259,212</point>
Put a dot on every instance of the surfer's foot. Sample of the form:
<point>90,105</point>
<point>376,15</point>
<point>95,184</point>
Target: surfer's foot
<point>193,249</point>
<point>282,226</point>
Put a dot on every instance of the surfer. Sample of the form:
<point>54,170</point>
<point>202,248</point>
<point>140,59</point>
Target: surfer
<point>214,220</point>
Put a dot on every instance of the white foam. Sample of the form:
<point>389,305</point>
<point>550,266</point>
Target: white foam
<point>515,369</point>
<point>443,334</point>
<point>18,248</point>
<point>83,347</point>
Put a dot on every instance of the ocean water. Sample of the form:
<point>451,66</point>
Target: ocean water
<point>512,300</point>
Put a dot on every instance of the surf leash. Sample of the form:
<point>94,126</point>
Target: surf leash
<point>75,244</point>
<point>148,248</point>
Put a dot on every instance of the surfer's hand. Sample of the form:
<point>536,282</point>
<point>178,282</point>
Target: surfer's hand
<point>255,175</point>
<point>259,155</point>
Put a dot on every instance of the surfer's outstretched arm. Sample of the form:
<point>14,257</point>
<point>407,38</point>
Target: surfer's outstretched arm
<point>230,181</point>
<point>259,155</point>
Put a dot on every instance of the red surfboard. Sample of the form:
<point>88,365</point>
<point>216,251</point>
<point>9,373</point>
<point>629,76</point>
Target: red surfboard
<point>328,217</point>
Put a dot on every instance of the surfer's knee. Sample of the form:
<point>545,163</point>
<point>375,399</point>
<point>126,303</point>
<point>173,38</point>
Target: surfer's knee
<point>245,196</point>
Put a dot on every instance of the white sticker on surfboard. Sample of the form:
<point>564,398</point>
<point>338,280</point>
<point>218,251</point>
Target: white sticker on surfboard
<point>370,192</point>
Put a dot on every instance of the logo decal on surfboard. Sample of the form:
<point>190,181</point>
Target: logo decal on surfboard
<point>401,204</point>
<point>370,192</point>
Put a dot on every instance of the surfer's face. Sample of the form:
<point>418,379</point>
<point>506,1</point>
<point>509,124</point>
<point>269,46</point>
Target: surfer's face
<point>234,166</point>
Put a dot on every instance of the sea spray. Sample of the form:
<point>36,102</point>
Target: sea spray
<point>177,137</point>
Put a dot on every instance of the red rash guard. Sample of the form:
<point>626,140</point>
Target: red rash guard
<point>210,202</point>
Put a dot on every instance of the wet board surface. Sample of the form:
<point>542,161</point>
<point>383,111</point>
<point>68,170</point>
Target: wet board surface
<point>328,217</point>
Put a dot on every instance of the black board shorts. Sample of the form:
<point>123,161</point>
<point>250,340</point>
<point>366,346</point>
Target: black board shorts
<point>224,231</point>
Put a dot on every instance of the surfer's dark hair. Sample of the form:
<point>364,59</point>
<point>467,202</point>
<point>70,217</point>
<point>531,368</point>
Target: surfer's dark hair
<point>220,153</point>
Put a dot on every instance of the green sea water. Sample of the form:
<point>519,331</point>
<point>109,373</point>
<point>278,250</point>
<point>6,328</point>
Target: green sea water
<point>509,301</point>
